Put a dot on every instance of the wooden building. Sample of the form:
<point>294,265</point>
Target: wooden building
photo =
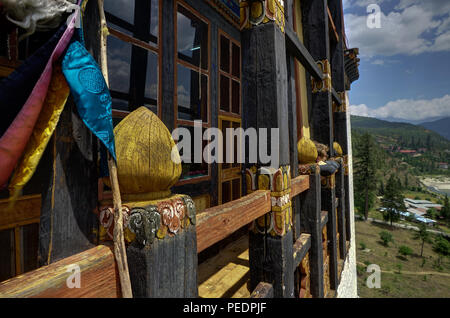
<point>246,230</point>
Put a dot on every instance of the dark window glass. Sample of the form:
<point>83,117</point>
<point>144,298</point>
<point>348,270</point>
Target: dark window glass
<point>224,93</point>
<point>236,61</point>
<point>226,192</point>
<point>224,54</point>
<point>194,170</point>
<point>133,76</point>
<point>30,239</point>
<point>151,82</point>
<point>122,9</point>
<point>119,61</point>
<point>235,97</point>
<point>7,255</point>
<point>236,189</point>
<point>192,95</point>
<point>135,18</point>
<point>192,38</point>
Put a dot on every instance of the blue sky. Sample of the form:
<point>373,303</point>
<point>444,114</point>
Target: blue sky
<point>405,64</point>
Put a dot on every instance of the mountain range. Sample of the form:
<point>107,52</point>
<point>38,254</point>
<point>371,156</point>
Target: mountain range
<point>441,126</point>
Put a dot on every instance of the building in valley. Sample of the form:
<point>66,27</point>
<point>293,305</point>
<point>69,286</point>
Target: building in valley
<point>196,65</point>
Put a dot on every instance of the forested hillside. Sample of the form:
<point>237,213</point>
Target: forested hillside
<point>412,148</point>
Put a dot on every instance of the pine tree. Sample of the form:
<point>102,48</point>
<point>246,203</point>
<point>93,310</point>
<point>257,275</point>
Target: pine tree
<point>365,167</point>
<point>422,235</point>
<point>393,200</point>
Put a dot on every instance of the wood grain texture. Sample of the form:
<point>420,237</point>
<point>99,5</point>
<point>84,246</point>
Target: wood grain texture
<point>299,185</point>
<point>301,248</point>
<point>216,223</point>
<point>27,209</point>
<point>98,275</point>
<point>263,290</point>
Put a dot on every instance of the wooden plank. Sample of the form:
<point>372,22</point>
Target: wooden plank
<point>301,247</point>
<point>299,185</point>
<point>216,223</point>
<point>226,274</point>
<point>263,290</point>
<point>311,215</point>
<point>98,278</point>
<point>26,210</point>
<point>296,48</point>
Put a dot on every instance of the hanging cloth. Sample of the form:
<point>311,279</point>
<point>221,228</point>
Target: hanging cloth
<point>14,140</point>
<point>90,93</point>
<point>55,100</point>
<point>17,87</point>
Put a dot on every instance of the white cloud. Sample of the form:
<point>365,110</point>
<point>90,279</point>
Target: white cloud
<point>378,62</point>
<point>406,109</point>
<point>402,30</point>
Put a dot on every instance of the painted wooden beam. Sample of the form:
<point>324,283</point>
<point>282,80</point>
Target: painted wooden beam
<point>27,210</point>
<point>98,278</point>
<point>217,223</point>
<point>299,185</point>
<point>295,47</point>
<point>301,247</point>
<point>311,223</point>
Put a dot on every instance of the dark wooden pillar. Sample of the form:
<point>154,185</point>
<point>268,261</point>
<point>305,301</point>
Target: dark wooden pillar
<point>338,80</point>
<point>292,109</point>
<point>310,213</point>
<point>340,195</point>
<point>265,97</point>
<point>329,205</point>
<point>316,39</point>
<point>163,265</point>
<point>68,224</point>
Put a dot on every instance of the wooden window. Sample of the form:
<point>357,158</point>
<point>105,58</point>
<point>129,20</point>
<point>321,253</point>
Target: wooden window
<point>229,174</point>
<point>134,55</point>
<point>192,78</point>
<point>229,76</point>
<point>19,236</point>
<point>192,66</point>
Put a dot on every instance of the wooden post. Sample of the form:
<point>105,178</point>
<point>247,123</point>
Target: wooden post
<point>292,108</point>
<point>163,264</point>
<point>340,194</point>
<point>266,105</point>
<point>316,39</point>
<point>310,213</point>
<point>329,205</point>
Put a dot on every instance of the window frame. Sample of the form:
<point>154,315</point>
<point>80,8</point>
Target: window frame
<point>156,49</point>
<point>229,75</point>
<point>201,71</point>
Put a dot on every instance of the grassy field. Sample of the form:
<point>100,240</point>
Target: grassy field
<point>416,278</point>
